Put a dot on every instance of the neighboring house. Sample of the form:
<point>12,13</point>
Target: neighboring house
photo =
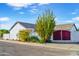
<point>62,33</point>
<point>16,28</point>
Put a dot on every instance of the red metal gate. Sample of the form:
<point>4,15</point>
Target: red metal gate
<point>65,35</point>
<point>61,35</point>
<point>57,35</point>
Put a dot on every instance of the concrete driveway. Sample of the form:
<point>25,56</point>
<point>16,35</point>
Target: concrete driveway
<point>13,48</point>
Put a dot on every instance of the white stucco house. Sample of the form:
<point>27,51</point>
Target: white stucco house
<point>62,33</point>
<point>14,30</point>
<point>65,33</point>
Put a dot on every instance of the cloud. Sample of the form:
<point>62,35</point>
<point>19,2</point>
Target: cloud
<point>4,18</point>
<point>34,10</point>
<point>18,6</point>
<point>59,21</point>
<point>21,12</point>
<point>77,25</point>
<point>75,18</point>
<point>74,13</point>
<point>76,21</point>
<point>64,22</point>
<point>5,26</point>
<point>34,6</point>
<point>42,4</point>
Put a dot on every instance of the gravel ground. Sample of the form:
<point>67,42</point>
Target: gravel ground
<point>15,49</point>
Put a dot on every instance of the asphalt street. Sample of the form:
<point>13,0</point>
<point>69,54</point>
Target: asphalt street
<point>15,49</point>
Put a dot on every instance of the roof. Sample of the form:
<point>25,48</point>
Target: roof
<point>26,25</point>
<point>65,26</point>
<point>57,27</point>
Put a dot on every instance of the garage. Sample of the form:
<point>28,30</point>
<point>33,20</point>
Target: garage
<point>61,35</point>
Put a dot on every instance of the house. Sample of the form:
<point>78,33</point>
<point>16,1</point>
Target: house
<point>14,30</point>
<point>62,32</point>
<point>65,33</point>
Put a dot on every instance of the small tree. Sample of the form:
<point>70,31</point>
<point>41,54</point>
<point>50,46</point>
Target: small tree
<point>45,25</point>
<point>23,35</point>
<point>3,31</point>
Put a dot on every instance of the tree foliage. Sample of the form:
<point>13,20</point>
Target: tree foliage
<point>45,24</point>
<point>23,35</point>
<point>3,31</point>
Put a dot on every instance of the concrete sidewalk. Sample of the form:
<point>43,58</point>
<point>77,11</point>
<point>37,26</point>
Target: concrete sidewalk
<point>71,47</point>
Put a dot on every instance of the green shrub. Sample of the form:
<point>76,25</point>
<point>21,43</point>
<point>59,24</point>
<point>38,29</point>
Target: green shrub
<point>23,35</point>
<point>34,39</point>
<point>42,41</point>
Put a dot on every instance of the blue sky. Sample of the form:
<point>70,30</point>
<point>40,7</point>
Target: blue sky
<point>12,12</point>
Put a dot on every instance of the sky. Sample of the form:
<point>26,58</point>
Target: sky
<point>28,12</point>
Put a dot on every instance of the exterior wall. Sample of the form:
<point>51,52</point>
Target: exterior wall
<point>15,31</point>
<point>74,36</point>
<point>6,36</point>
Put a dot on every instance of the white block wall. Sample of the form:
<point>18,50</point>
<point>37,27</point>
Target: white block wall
<point>75,36</point>
<point>6,36</point>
